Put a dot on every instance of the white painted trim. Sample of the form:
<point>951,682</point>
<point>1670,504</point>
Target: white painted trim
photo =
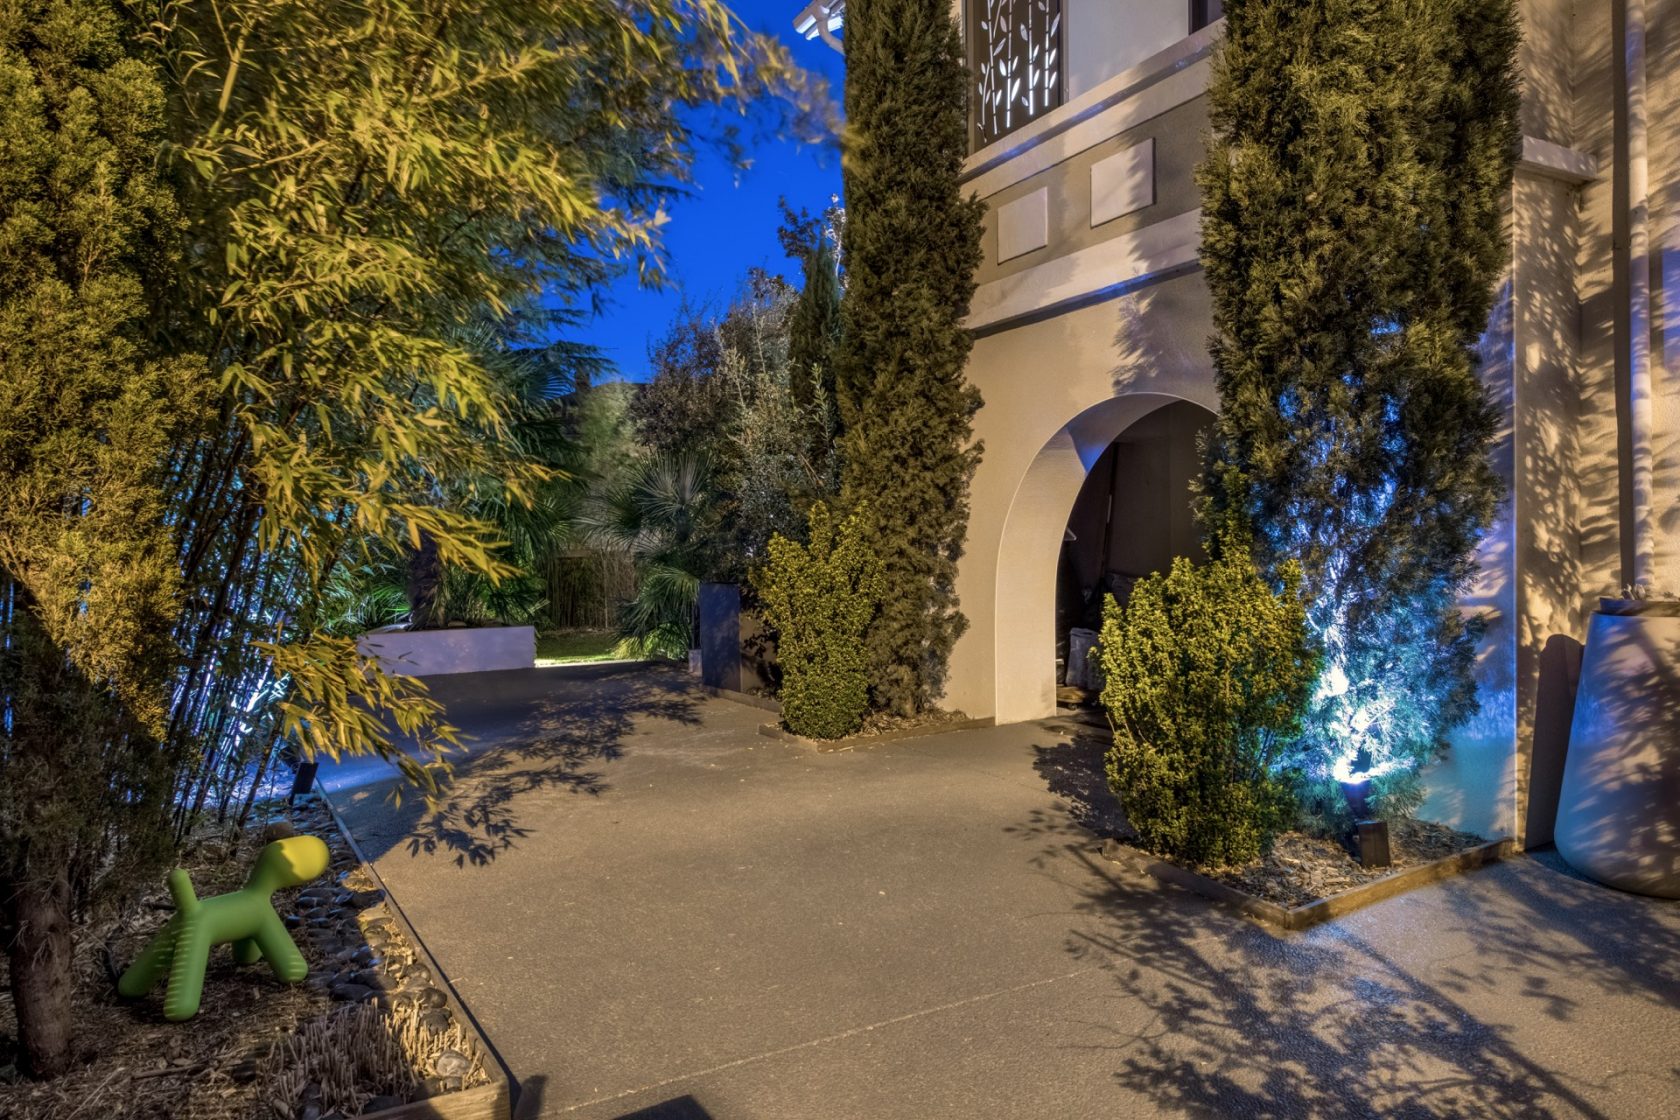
<point>821,19</point>
<point>1131,258</point>
<point>1554,161</point>
<point>1124,101</point>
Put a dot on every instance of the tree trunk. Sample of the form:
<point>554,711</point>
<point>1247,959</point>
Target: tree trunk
<point>425,580</point>
<point>40,954</point>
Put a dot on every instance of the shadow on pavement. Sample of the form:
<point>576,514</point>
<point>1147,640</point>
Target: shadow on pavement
<point>678,1108</point>
<point>1246,1024</point>
<point>526,732</point>
<point>528,1097</point>
<point>1074,772</point>
<point>1557,921</point>
<point>1338,1024</point>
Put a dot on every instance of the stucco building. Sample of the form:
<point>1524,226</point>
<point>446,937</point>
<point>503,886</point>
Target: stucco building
<point>1091,319</point>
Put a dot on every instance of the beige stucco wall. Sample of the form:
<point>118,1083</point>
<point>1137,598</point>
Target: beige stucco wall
<point>1505,765</point>
<point>1178,145</point>
<point>1056,392</point>
<point>1604,269</point>
<point>1061,381</point>
<point>1663,44</point>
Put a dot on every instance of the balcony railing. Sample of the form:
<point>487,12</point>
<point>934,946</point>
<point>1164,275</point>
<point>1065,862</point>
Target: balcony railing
<point>1027,57</point>
<point>1016,61</point>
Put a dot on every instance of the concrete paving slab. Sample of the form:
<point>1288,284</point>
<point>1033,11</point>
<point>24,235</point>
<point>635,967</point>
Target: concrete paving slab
<point>655,911</point>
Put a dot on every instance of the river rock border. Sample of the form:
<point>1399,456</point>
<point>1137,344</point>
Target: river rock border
<point>375,956</point>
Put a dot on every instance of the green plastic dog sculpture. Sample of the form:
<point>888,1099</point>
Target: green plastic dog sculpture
<point>245,917</point>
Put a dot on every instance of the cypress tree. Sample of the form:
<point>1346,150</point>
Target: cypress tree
<point>911,245</point>
<point>1351,237</point>
<point>88,412</point>
<point>813,340</point>
<point>814,328</point>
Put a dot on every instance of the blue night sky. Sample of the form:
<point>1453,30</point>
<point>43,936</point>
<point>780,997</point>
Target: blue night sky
<point>728,223</point>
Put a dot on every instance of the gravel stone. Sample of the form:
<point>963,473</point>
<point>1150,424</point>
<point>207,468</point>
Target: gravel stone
<point>452,1065</point>
<point>277,830</point>
<point>351,993</point>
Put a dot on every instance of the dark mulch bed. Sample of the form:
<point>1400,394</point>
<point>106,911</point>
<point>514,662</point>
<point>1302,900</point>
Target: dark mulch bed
<point>368,1030</point>
<point>883,723</point>
<point>1303,869</point>
<point>1300,869</point>
<point>880,727</point>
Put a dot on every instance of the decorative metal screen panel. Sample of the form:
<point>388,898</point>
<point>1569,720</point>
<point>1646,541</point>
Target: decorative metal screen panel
<point>1017,53</point>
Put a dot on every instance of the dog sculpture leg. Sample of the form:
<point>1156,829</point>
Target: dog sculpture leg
<point>282,953</point>
<point>152,964</point>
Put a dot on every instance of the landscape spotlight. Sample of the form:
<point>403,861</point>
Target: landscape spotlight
<point>1370,837</point>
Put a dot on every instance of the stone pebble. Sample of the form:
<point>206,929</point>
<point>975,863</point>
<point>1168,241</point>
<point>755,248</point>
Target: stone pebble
<point>452,1064</point>
<point>366,958</point>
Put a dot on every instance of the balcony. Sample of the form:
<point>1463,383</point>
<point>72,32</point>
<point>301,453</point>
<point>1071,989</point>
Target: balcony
<point>1029,57</point>
<point>1086,122</point>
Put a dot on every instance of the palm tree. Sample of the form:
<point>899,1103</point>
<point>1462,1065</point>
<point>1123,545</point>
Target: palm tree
<point>537,380</point>
<point>658,516</point>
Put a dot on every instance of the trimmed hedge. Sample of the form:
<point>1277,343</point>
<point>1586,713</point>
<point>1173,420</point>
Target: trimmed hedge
<point>820,598</point>
<point>1208,673</point>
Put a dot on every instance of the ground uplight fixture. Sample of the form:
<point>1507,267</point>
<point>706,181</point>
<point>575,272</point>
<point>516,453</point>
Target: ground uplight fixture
<point>1369,840</point>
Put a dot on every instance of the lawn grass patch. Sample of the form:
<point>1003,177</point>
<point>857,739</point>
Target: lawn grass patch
<point>571,647</point>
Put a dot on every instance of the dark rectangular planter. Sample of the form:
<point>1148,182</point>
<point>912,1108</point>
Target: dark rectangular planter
<point>736,653</point>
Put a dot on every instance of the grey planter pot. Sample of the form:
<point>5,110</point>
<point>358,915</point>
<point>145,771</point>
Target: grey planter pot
<point>1619,809</point>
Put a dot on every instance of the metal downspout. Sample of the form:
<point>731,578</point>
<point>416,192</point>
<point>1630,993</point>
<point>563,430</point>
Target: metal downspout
<point>1639,300</point>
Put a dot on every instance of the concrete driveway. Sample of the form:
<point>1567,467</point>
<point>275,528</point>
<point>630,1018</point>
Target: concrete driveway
<point>654,911</point>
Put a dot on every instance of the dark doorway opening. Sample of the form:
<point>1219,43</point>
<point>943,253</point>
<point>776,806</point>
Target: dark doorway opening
<point>1132,518</point>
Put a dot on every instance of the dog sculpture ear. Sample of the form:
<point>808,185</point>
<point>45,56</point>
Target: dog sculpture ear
<point>290,862</point>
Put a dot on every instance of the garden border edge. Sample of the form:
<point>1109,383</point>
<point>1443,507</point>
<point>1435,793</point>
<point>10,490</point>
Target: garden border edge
<point>1307,915</point>
<point>484,1102</point>
<point>854,742</point>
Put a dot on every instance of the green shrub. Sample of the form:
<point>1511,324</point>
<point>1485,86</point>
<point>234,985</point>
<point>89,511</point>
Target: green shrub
<point>820,599</point>
<point>1208,673</point>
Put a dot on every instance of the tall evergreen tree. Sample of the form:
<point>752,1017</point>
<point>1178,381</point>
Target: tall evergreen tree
<point>1352,235</point>
<point>88,584</point>
<point>814,329</point>
<point>911,246</point>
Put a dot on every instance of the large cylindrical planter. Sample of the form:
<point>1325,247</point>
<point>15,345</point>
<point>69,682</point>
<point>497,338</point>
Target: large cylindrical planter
<point>1619,810</point>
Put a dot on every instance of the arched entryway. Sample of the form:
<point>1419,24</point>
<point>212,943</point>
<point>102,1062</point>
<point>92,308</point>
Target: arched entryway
<point>1117,475</point>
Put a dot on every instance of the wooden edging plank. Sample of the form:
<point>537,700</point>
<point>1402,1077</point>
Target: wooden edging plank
<point>831,746</point>
<point>482,1102</point>
<point>1321,910</point>
<point>1388,886</point>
